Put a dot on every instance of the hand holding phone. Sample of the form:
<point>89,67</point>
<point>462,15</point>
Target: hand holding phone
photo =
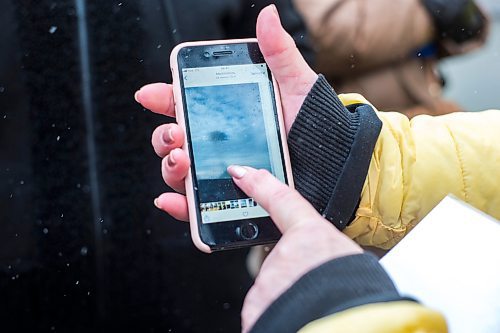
<point>308,240</point>
<point>294,77</point>
<point>228,104</point>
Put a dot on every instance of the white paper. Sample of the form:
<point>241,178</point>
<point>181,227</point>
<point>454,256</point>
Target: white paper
<point>451,262</point>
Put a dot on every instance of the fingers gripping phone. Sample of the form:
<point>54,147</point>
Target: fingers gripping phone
<point>228,104</point>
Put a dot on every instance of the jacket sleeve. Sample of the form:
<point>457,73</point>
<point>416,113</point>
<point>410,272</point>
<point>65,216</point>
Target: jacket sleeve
<point>348,294</point>
<point>376,175</point>
<point>354,36</point>
<point>416,163</point>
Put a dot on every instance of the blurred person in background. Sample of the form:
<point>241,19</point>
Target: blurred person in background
<point>388,50</point>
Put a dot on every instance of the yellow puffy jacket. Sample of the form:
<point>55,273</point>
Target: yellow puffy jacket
<point>391,317</point>
<point>417,162</point>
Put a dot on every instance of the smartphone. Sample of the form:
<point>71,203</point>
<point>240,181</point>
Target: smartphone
<point>228,103</point>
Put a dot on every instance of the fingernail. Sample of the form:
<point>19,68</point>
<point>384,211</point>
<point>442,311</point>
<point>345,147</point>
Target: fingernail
<point>167,137</point>
<point>157,203</point>
<point>236,171</point>
<point>275,9</point>
<point>171,159</point>
<point>136,95</point>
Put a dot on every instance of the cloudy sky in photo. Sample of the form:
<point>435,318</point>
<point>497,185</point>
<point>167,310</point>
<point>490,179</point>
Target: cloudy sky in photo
<point>227,127</point>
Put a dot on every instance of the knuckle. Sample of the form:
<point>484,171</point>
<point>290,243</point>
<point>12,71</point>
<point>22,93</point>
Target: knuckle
<point>281,194</point>
<point>283,251</point>
<point>257,182</point>
<point>261,175</point>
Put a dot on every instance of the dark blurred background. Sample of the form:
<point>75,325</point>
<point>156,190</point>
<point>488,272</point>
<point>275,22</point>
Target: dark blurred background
<point>82,248</point>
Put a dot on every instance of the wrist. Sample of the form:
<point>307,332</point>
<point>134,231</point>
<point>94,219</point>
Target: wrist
<point>335,286</point>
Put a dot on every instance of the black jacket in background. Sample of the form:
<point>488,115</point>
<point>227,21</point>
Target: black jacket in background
<point>82,247</point>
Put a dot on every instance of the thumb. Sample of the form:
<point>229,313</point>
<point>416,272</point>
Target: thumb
<point>291,71</point>
<point>286,206</point>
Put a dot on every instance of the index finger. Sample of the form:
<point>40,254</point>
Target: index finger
<point>157,97</point>
<point>286,206</point>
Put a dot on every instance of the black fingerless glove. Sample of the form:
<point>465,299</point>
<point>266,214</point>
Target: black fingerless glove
<point>330,149</point>
<point>458,20</point>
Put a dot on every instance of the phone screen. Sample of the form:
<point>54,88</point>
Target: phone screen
<point>232,120</point>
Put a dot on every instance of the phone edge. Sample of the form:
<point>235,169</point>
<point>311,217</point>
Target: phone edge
<point>179,114</point>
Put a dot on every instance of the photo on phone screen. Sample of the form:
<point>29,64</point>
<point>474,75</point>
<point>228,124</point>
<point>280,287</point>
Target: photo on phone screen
<point>232,120</point>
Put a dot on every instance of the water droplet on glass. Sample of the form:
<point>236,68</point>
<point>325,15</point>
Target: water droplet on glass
<point>174,31</point>
<point>158,46</point>
<point>58,138</point>
<point>2,89</point>
<point>84,250</point>
<point>77,282</point>
<point>45,231</point>
<point>148,231</point>
<point>52,29</point>
<point>226,306</point>
<point>121,3</point>
<point>21,182</point>
<point>252,5</point>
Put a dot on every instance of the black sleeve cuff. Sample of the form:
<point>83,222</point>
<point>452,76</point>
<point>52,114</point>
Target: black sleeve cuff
<point>335,286</point>
<point>330,150</point>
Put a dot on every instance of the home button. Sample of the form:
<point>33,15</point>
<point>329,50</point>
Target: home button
<point>247,231</point>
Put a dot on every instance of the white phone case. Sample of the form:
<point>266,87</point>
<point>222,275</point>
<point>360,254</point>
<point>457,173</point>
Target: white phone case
<point>179,112</point>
